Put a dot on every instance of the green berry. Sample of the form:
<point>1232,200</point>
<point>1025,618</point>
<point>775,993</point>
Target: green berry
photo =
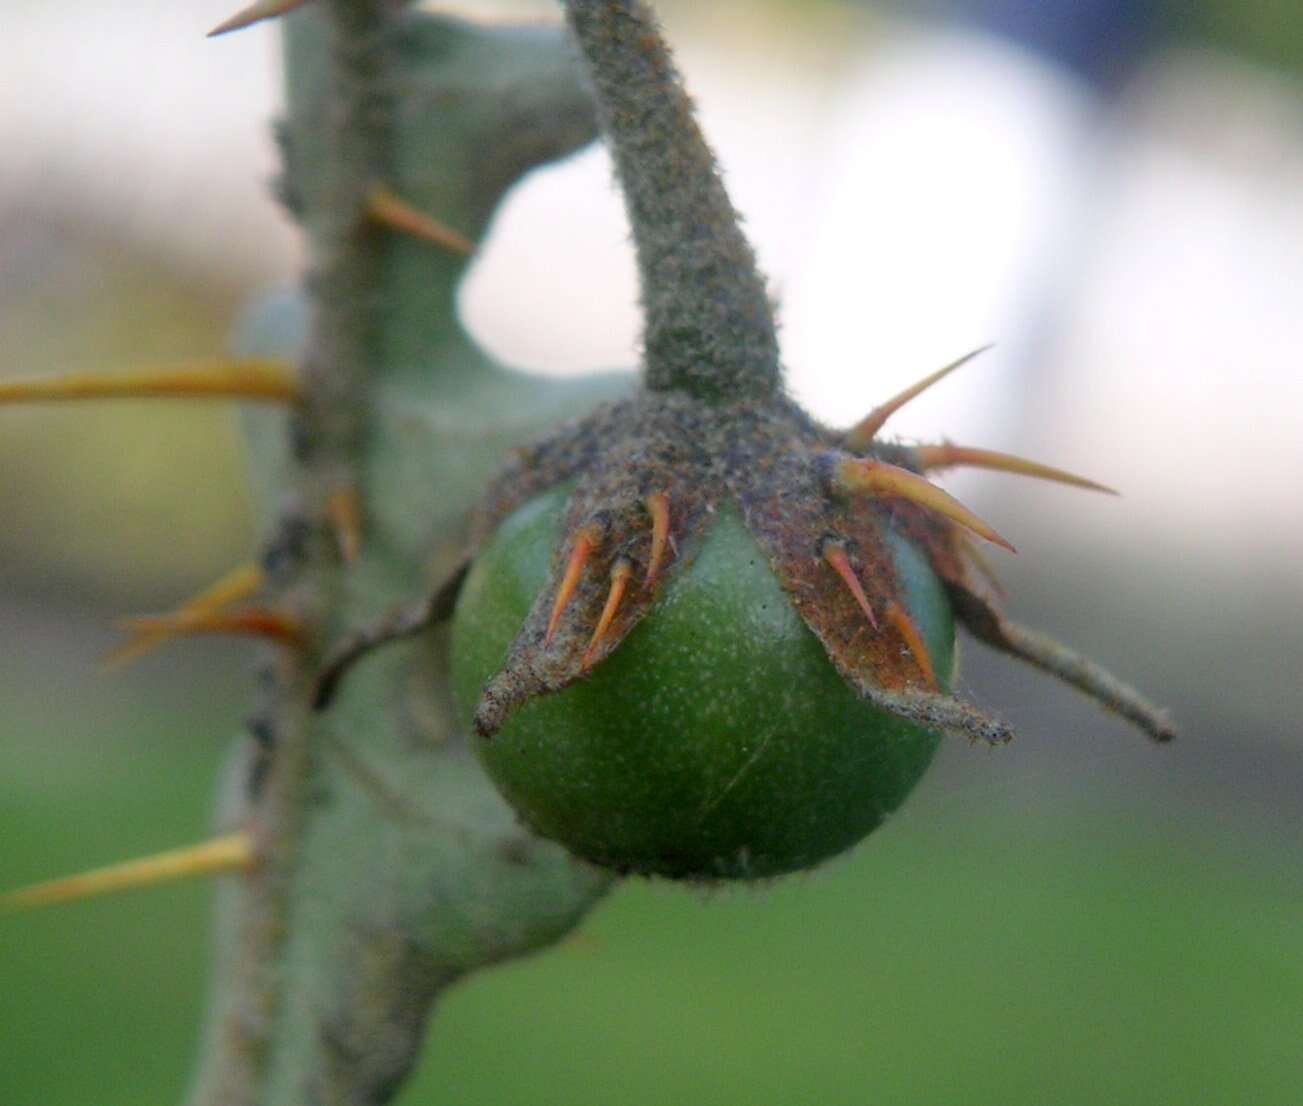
<point>717,741</point>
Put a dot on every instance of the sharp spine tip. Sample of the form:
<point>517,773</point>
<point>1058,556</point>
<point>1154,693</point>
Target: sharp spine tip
<point>908,629</point>
<point>263,622</point>
<point>239,584</point>
<point>386,207</point>
<point>586,540</point>
<point>834,552</point>
<point>858,475</point>
<point>620,573</point>
<point>658,506</point>
<point>255,13</point>
<point>944,456</point>
<point>231,853</point>
<point>861,435</point>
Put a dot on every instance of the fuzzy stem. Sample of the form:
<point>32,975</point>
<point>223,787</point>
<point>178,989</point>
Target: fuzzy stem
<point>709,325</point>
<point>388,866</point>
<point>347,246</point>
<point>327,431</point>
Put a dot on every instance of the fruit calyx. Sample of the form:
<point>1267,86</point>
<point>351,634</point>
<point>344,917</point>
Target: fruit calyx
<point>649,474</point>
<point>712,427</point>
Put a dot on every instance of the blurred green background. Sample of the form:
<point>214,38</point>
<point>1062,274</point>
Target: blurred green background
<point>1077,919</point>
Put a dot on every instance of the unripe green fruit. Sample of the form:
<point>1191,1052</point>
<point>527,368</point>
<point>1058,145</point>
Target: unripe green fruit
<point>717,740</point>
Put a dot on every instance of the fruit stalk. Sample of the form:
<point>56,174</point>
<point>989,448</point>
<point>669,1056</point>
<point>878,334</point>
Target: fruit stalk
<point>862,555</point>
<point>709,328</point>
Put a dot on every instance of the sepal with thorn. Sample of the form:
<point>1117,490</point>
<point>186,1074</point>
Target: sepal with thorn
<point>852,536</point>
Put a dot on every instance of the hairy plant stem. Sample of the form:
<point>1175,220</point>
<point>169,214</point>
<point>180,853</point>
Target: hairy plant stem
<point>326,431</point>
<point>388,865</point>
<point>346,247</point>
<point>709,325</point>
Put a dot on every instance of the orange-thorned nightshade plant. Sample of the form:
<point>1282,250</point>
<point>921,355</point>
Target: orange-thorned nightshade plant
<point>691,633</point>
<point>702,535</point>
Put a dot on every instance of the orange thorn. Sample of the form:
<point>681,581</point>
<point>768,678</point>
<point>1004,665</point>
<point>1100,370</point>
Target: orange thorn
<point>948,456</point>
<point>385,207</point>
<point>249,622</point>
<point>908,629</point>
<point>859,475</point>
<point>585,542</point>
<point>620,573</point>
<point>835,554</point>
<point>255,13</point>
<point>345,510</point>
<point>658,506</point>
<point>233,853</point>
<point>861,435</point>
<point>236,585</point>
<point>258,378</point>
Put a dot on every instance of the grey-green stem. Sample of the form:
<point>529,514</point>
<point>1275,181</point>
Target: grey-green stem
<point>326,431</point>
<point>389,867</point>
<point>709,325</point>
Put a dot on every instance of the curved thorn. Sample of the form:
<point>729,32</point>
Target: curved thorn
<point>948,456</point>
<point>238,584</point>
<point>835,554</point>
<point>585,542</point>
<point>385,207</point>
<point>255,13</point>
<point>658,506</point>
<point>860,475</point>
<point>908,629</point>
<point>344,506</point>
<point>232,853</point>
<point>861,435</point>
<point>251,622</point>
<point>620,574</point>
<point>259,378</point>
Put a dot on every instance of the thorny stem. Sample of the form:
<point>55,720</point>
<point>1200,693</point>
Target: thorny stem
<point>387,866</point>
<point>327,431</point>
<point>346,245</point>
<point>709,325</point>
